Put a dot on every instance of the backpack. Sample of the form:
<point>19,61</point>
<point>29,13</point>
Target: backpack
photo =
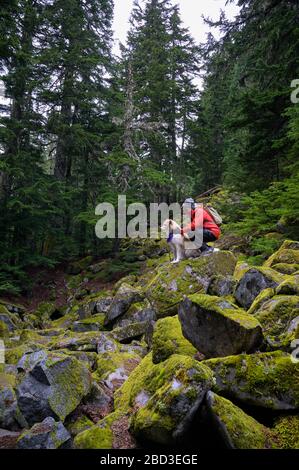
<point>213,213</point>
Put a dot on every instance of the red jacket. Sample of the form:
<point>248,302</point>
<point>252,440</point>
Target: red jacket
<point>198,215</point>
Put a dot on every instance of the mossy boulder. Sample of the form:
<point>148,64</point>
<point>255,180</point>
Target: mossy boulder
<point>45,435</point>
<point>10,416</point>
<point>80,424</point>
<point>130,280</point>
<point>4,331</point>
<point>109,433</point>
<point>137,312</point>
<point>8,321</point>
<point>260,299</point>
<point>277,316</point>
<point>253,282</point>
<point>241,268</point>
<point>166,396</point>
<point>114,367</point>
<point>76,341</point>
<point>217,327</point>
<point>286,429</point>
<point>235,428</point>
<point>222,286</point>
<point>95,323</point>
<point>171,283</point>
<point>67,320</point>
<point>124,298</point>
<point>129,332</point>
<point>286,268</point>
<point>89,358</point>
<point>168,339</point>
<point>14,353</point>
<point>288,253</point>
<point>45,312</point>
<point>290,286</point>
<point>269,380</point>
<point>102,305</point>
<point>54,386</point>
<point>12,307</point>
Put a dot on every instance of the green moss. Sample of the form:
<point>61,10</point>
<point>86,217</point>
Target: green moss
<point>94,320</point>
<point>110,362</point>
<point>276,314</point>
<point>130,279</point>
<point>219,305</point>
<point>260,379</point>
<point>33,336</point>
<point>79,425</point>
<point>67,320</point>
<point>240,269</point>
<point>80,265</point>
<point>288,253</point>
<point>243,431</point>
<point>149,377</point>
<point>290,286</point>
<point>153,425</point>
<point>14,354</point>
<point>180,382</point>
<point>263,296</point>
<point>129,332</point>
<point>286,268</point>
<point>99,436</point>
<point>45,310</point>
<point>170,283</point>
<point>287,431</point>
<point>168,339</point>
<point>3,309</point>
<point>7,380</point>
<point>71,383</point>
<point>4,331</point>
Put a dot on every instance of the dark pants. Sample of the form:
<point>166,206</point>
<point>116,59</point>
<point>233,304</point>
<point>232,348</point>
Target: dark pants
<point>208,236</point>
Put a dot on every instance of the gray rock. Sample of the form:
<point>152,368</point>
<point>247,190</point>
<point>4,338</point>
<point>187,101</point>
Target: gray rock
<point>103,305</point>
<point>218,328</point>
<point>106,343</point>
<point>143,315</point>
<point>126,334</point>
<point>253,282</point>
<point>45,435</point>
<point>125,296</point>
<point>8,321</point>
<point>9,412</point>
<point>222,285</point>
<point>53,387</point>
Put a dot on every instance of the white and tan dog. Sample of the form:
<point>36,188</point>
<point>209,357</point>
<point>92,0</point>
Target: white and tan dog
<point>177,242</point>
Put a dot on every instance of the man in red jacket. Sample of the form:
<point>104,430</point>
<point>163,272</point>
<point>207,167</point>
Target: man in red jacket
<point>200,219</point>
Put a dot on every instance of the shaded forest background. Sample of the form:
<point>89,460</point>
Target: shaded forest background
<point>84,125</point>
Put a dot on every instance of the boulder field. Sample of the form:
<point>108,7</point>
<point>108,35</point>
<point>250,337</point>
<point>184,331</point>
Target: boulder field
<point>199,354</point>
